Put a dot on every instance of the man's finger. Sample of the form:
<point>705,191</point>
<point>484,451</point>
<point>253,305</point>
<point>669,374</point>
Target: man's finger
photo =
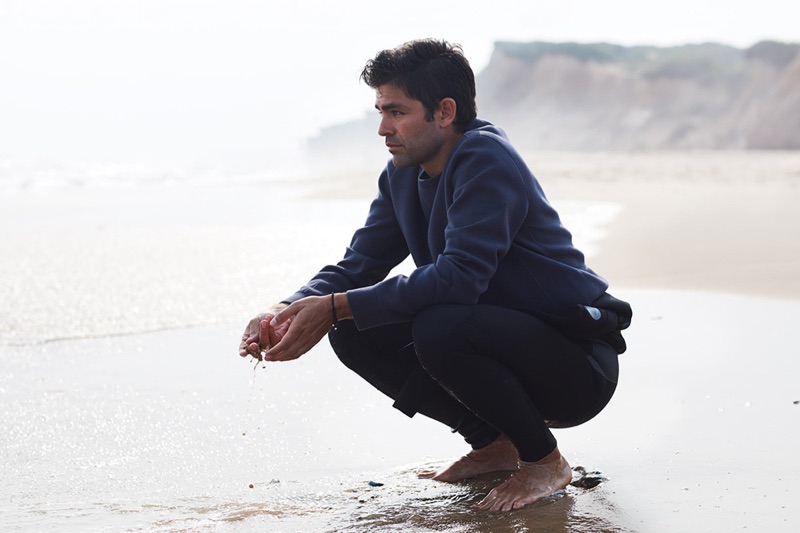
<point>255,350</point>
<point>279,317</point>
<point>278,351</point>
<point>263,337</point>
<point>243,350</point>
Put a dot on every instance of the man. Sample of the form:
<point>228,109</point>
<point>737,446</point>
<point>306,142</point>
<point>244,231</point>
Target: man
<point>501,331</point>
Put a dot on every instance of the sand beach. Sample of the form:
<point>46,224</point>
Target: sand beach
<point>125,407</point>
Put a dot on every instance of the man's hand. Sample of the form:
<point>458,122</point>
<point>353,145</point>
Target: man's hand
<point>260,334</point>
<point>309,320</point>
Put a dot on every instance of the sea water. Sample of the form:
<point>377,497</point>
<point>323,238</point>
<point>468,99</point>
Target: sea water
<point>124,405</point>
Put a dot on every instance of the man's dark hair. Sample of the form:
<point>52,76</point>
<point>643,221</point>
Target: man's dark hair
<point>429,71</point>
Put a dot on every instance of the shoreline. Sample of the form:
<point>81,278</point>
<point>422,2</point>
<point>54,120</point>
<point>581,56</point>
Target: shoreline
<point>724,222</point>
<point>721,221</point>
<point>181,449</point>
<point>706,245</point>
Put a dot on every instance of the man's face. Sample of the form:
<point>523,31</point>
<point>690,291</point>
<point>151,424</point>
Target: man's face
<point>411,139</point>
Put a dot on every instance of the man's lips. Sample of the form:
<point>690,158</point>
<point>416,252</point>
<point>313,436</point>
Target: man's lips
<point>393,146</point>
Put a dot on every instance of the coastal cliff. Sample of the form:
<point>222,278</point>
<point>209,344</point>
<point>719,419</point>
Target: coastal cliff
<point>608,97</point>
<point>571,96</point>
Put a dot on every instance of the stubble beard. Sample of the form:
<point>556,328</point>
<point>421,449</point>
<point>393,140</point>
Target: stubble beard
<point>416,153</point>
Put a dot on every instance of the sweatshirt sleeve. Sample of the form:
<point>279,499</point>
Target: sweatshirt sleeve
<point>486,205</point>
<point>374,250</point>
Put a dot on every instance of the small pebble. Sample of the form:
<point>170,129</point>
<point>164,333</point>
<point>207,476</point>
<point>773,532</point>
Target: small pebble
<point>375,484</point>
<point>251,485</point>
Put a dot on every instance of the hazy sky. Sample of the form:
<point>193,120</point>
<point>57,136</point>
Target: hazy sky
<point>226,81</point>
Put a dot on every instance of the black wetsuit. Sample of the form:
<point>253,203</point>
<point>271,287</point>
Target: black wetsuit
<point>485,370</point>
<point>483,334</point>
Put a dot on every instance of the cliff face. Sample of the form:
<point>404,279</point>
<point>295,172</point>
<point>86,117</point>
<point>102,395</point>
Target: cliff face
<point>607,97</point>
<point>569,96</point>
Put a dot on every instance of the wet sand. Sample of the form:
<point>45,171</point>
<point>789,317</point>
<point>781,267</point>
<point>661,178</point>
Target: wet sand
<point>110,424</point>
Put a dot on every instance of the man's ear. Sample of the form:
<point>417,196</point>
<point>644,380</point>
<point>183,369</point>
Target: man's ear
<point>446,113</point>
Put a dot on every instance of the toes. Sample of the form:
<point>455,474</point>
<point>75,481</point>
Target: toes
<point>518,505</point>
<point>490,502</point>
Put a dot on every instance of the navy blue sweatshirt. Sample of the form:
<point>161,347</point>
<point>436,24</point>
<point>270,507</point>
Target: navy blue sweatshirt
<point>480,232</point>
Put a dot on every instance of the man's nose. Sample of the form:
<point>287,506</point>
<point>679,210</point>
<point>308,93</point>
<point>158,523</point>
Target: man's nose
<point>383,128</point>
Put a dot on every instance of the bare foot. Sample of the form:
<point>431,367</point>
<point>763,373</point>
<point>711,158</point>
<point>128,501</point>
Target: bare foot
<point>499,456</point>
<point>532,482</point>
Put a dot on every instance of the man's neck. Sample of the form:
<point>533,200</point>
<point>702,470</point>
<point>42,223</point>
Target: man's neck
<point>435,167</point>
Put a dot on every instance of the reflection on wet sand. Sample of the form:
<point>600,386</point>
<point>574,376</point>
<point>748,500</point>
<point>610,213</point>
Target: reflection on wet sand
<point>401,502</point>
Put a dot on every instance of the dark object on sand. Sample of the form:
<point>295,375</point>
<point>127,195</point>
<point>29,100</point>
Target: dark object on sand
<point>586,480</point>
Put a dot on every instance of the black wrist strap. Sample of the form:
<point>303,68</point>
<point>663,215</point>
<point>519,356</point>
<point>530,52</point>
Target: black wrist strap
<point>333,312</point>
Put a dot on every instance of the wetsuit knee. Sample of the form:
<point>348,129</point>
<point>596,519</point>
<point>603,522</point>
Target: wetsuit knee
<point>436,332</point>
<point>343,340</point>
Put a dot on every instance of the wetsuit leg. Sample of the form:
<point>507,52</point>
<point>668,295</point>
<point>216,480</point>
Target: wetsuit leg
<point>509,368</point>
<point>384,356</point>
